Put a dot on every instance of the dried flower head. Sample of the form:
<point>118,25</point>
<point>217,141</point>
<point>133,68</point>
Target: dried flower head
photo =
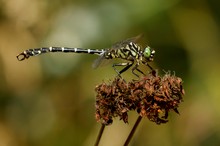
<point>151,96</point>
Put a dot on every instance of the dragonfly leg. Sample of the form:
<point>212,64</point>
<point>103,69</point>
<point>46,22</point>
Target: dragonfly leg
<point>149,66</point>
<point>136,68</point>
<point>127,66</point>
<point>152,70</point>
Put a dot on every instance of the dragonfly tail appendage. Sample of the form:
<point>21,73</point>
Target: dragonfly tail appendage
<point>22,56</point>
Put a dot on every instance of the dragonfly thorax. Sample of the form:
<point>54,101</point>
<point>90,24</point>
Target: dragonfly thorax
<point>130,52</point>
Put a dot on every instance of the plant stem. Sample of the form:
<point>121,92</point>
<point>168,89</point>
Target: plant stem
<point>132,131</point>
<point>100,135</point>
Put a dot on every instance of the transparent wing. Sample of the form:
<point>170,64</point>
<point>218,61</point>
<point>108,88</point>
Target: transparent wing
<point>123,43</point>
<point>102,61</point>
<point>99,61</point>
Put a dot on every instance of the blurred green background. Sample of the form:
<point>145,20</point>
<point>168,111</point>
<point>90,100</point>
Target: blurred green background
<point>49,100</point>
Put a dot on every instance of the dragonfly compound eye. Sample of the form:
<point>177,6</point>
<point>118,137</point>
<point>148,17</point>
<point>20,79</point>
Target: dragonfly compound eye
<point>147,52</point>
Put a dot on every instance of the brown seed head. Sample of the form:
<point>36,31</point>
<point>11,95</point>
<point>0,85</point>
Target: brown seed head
<point>151,96</point>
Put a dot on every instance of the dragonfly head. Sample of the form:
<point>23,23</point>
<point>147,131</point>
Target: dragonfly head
<point>149,53</point>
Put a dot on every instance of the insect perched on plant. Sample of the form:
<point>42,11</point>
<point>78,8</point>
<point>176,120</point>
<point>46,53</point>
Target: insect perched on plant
<point>127,50</point>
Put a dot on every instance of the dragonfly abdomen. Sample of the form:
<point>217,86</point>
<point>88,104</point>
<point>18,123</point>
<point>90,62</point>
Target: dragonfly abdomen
<point>38,51</point>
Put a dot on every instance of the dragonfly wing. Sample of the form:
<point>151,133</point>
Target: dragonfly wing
<point>99,61</point>
<point>102,61</point>
<point>125,42</point>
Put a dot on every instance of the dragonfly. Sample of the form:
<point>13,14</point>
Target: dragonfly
<point>127,50</point>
